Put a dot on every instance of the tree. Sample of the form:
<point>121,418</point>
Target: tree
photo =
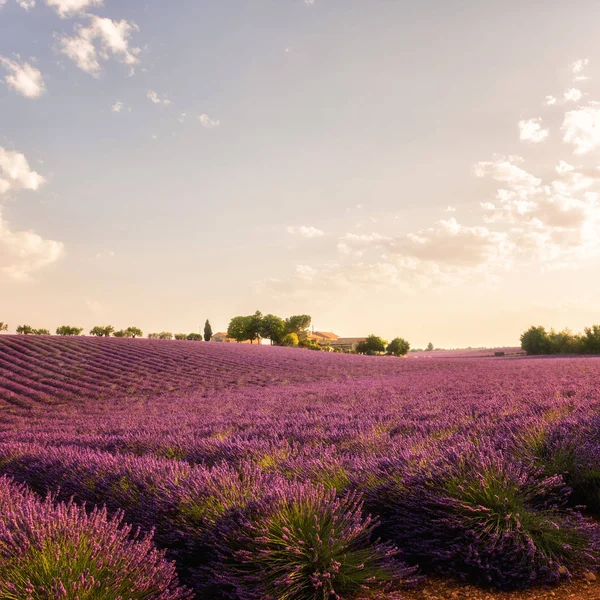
<point>273,328</point>
<point>372,345</point>
<point>254,326</point>
<point>536,341</point>
<point>42,332</point>
<point>165,335</point>
<point>238,329</point>
<point>121,334</point>
<point>298,324</point>
<point>429,348</point>
<point>564,342</point>
<point>25,330</point>
<point>102,330</point>
<point>68,330</point>
<point>400,347</point>
<point>590,341</point>
<point>134,332</point>
<point>207,331</point>
<point>290,339</point>
<point>181,336</point>
<point>3,326</point>
<point>194,337</point>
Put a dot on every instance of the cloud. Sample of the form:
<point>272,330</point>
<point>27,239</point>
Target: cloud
<point>532,131</point>
<point>155,99</point>
<point>26,4</point>
<point>15,173</point>
<point>307,232</point>
<point>68,8</point>
<point>207,122</point>
<point>450,209</point>
<point>577,67</point>
<point>582,128</point>
<point>117,106</point>
<point>2,3</point>
<point>573,95</point>
<point>101,40</point>
<point>505,170</point>
<point>23,78</point>
<point>550,100</point>
<point>24,252</point>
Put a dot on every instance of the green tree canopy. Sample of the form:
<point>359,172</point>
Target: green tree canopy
<point>181,336</point>
<point>239,328</point>
<point>102,330</point>
<point>207,331</point>
<point>3,326</point>
<point>590,340</point>
<point>68,330</point>
<point>273,328</point>
<point>399,347</point>
<point>25,330</point>
<point>372,345</point>
<point>254,326</point>
<point>134,332</point>
<point>290,339</point>
<point>194,337</point>
<point>536,341</point>
<point>298,324</point>
<point>42,332</point>
<point>429,347</point>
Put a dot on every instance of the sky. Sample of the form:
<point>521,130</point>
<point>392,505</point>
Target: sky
<point>427,169</point>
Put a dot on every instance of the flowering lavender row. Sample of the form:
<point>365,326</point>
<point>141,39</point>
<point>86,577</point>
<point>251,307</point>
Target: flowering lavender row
<point>471,467</point>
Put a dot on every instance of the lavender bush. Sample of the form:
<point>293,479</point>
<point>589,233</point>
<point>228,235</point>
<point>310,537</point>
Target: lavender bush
<point>59,551</point>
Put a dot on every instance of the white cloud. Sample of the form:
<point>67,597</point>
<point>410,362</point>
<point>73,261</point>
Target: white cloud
<point>155,99</point>
<point>2,3</point>
<point>550,100</point>
<point>582,128</point>
<point>23,78</point>
<point>181,117</point>
<point>68,8</point>
<point>207,122</point>
<point>101,40</point>
<point>577,67</point>
<point>573,95</point>
<point>450,209</point>
<point>532,131</point>
<point>26,4</point>
<point>307,232</point>
<point>15,173</point>
<point>505,170</point>
<point>24,252</point>
<point>117,106</point>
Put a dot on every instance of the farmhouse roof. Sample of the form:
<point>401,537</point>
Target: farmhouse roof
<point>328,335</point>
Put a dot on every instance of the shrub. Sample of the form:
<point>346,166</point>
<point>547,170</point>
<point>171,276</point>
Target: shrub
<point>535,341</point>
<point>181,336</point>
<point>68,330</point>
<point>372,345</point>
<point>290,339</point>
<point>480,516</point>
<point>398,347</point>
<point>52,550</point>
<point>303,543</point>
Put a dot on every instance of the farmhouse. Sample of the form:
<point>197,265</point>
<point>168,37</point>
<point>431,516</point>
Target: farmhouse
<point>323,338</point>
<point>221,336</point>
<point>346,343</point>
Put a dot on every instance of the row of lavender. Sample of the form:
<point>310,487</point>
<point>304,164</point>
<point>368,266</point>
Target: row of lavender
<point>473,468</point>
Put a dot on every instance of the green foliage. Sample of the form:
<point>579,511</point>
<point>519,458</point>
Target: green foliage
<point>254,326</point>
<point>430,347</point>
<point>536,340</point>
<point>399,347</point>
<point>181,336</point>
<point>134,332</point>
<point>291,339</point>
<point>207,331</point>
<point>239,329</point>
<point>163,335</point>
<point>194,337</point>
<point>297,324</point>
<point>68,330</point>
<point>3,326</point>
<point>309,344</point>
<point>120,334</point>
<point>25,330</point>
<point>102,330</point>
<point>42,332</point>
<point>372,345</point>
<point>272,328</point>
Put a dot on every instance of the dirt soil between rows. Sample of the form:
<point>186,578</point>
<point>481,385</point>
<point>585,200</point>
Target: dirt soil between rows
<point>435,589</point>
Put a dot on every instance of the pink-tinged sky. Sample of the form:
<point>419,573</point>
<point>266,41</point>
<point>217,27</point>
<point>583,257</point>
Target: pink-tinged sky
<point>425,169</point>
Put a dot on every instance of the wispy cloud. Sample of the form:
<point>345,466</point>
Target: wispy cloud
<point>532,131</point>
<point>117,106</point>
<point>156,99</point>
<point>573,95</point>
<point>307,232</point>
<point>26,4</point>
<point>577,67</point>
<point>69,8</point>
<point>582,128</point>
<point>101,40</point>
<point>16,174</point>
<point>22,77</point>
<point>208,123</point>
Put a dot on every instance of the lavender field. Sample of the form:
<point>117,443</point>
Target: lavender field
<point>168,470</point>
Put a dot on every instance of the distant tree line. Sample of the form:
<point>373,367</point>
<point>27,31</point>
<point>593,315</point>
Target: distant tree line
<point>538,341</point>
